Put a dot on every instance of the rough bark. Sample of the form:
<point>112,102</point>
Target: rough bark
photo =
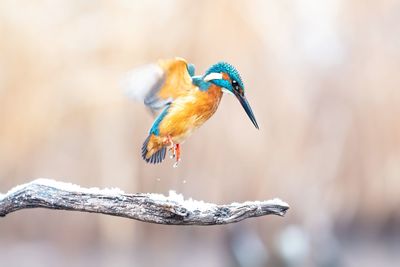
<point>146,207</point>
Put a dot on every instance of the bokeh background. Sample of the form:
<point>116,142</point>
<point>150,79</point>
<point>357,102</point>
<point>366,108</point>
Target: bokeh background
<point>323,78</point>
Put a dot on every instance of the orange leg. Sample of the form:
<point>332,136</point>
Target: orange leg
<point>178,154</point>
<point>175,150</point>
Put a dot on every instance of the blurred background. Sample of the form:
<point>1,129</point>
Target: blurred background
<point>322,78</point>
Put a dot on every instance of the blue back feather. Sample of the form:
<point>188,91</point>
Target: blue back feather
<point>199,82</point>
<point>155,127</point>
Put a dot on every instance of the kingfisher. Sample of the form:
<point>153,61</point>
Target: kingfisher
<point>181,101</point>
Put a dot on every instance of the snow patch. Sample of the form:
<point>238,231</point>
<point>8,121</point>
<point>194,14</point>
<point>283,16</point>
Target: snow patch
<point>189,204</point>
<point>67,187</point>
<point>14,189</point>
<point>76,188</point>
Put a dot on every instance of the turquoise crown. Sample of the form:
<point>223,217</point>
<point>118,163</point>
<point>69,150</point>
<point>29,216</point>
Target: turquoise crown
<point>228,69</point>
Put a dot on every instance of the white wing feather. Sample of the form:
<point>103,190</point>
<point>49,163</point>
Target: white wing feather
<point>140,82</point>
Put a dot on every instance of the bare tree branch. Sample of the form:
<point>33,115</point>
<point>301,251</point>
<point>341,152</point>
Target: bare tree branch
<point>153,208</point>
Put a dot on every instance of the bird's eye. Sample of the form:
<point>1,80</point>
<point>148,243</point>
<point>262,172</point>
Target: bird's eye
<point>235,85</point>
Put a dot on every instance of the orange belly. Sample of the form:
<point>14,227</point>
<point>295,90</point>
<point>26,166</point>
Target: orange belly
<point>189,112</point>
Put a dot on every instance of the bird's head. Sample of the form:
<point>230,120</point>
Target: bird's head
<point>227,77</point>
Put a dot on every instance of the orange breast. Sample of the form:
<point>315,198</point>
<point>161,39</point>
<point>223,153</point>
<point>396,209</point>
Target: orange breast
<point>189,112</point>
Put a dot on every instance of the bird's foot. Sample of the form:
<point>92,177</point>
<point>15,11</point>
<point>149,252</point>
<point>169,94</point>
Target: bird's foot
<point>175,150</point>
<point>172,150</point>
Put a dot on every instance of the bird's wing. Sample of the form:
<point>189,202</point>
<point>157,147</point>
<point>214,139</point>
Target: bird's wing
<point>158,84</point>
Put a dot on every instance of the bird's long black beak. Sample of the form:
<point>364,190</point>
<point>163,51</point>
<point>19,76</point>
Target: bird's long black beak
<point>245,104</point>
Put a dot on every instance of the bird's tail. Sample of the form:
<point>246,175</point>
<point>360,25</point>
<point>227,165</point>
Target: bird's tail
<point>153,149</point>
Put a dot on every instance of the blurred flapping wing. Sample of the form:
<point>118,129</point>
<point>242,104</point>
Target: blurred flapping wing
<point>158,84</point>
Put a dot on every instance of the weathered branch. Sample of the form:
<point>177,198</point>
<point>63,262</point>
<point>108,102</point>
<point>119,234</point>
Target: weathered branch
<point>153,208</point>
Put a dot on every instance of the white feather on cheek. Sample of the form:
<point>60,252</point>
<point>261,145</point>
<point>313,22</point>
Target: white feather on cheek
<point>227,91</point>
<point>213,76</point>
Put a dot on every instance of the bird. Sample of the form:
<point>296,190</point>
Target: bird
<point>181,101</point>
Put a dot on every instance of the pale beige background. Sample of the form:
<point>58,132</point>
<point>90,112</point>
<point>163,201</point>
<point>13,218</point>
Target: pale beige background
<point>323,80</point>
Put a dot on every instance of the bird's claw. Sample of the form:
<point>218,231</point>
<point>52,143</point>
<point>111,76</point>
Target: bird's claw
<point>175,151</point>
<point>176,164</point>
<point>172,150</point>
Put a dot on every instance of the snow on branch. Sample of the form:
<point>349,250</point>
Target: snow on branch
<point>150,207</point>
